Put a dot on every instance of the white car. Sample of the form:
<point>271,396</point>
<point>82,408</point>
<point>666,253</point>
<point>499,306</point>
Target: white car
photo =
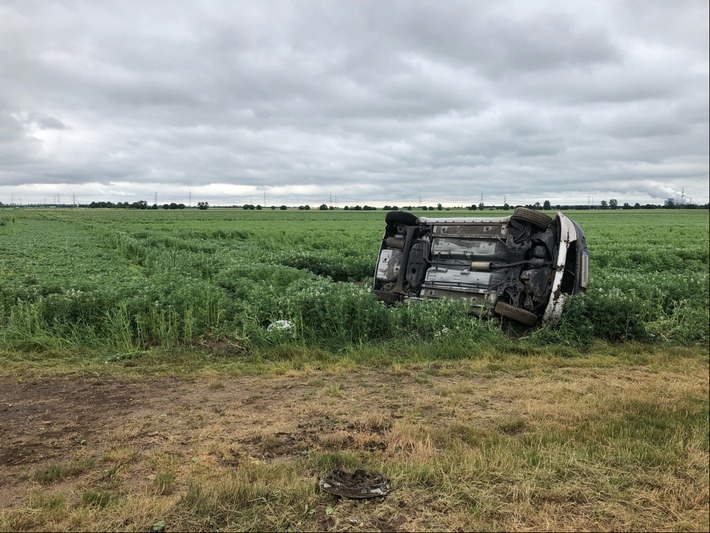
<point>520,267</point>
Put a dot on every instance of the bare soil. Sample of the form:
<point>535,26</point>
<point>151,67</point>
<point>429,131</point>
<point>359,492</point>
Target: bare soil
<point>55,420</point>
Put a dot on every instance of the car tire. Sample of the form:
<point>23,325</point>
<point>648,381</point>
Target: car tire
<point>401,217</point>
<point>541,220</point>
<point>516,313</point>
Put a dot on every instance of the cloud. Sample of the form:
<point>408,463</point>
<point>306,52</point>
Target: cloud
<point>379,102</point>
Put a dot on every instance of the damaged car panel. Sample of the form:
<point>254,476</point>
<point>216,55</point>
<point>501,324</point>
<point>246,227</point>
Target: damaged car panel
<point>520,267</point>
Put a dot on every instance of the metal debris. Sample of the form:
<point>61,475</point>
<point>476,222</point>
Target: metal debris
<point>358,485</point>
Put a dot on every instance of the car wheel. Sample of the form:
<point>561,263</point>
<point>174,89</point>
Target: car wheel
<point>541,220</point>
<point>401,217</point>
<point>516,313</point>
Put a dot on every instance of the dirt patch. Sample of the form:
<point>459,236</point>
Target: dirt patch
<point>215,420</point>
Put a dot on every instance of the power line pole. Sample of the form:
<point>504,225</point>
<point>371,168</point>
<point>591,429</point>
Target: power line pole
<point>263,188</point>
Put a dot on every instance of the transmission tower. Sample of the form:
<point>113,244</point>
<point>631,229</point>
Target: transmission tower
<point>263,188</point>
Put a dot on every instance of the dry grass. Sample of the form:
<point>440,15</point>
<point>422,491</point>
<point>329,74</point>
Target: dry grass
<point>504,445</point>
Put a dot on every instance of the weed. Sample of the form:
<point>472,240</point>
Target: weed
<point>59,471</point>
<point>96,498</point>
<point>163,482</point>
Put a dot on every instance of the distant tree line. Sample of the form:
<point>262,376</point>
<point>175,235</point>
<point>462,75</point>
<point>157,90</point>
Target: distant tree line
<point>141,204</point>
<point>610,204</point>
<point>249,207</point>
<point>360,208</point>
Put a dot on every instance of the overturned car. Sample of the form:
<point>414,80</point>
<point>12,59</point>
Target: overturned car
<point>520,267</point>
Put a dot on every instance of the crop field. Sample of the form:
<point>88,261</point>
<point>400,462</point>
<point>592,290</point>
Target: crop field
<point>141,387</point>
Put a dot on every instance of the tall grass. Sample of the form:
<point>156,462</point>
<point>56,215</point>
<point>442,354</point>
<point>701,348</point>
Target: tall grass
<point>134,280</point>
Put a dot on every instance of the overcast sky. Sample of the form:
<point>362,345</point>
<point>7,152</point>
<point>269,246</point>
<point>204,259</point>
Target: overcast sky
<point>367,101</point>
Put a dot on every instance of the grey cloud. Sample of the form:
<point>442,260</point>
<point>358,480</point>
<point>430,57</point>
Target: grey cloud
<point>447,98</point>
<point>47,122</point>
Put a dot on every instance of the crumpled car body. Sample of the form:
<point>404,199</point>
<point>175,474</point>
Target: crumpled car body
<point>521,267</point>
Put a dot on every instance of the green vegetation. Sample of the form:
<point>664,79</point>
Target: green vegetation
<point>60,471</point>
<point>116,282</point>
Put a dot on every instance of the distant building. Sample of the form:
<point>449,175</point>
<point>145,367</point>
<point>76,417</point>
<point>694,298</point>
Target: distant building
<point>678,200</point>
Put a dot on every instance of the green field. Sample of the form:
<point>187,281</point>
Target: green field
<point>142,389</point>
<point>105,281</point>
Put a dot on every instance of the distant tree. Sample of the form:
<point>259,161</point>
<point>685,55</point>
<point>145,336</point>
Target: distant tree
<point>154,206</point>
<point>637,205</point>
<point>166,206</point>
<point>173,205</point>
<point>258,207</point>
<point>346,208</point>
<point>202,205</point>
<point>481,206</point>
<point>273,207</point>
<point>181,206</point>
<point>439,207</point>
<point>387,208</point>
<point>604,205</point>
<point>537,206</point>
<point>506,206</point>
<point>626,206</point>
<point>283,208</point>
<point>613,203</point>
<point>546,205</point>
<point>323,207</point>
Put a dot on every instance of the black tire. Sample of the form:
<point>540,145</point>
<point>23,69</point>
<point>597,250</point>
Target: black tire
<point>401,217</point>
<point>516,313</point>
<point>541,220</point>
